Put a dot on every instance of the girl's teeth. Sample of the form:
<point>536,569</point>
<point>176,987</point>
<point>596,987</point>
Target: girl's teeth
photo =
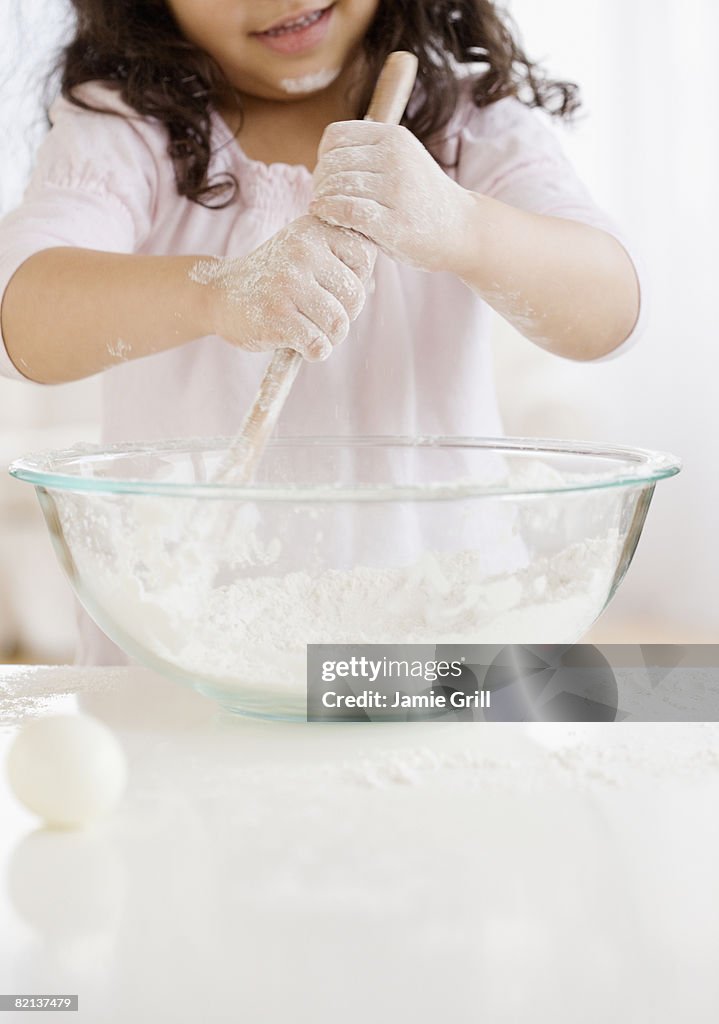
<point>292,26</point>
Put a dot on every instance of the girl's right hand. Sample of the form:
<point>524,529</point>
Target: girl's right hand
<point>299,290</point>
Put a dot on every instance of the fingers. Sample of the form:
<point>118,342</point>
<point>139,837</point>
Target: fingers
<point>356,133</point>
<point>344,284</point>
<point>364,215</point>
<point>305,337</point>
<point>328,321</point>
<point>351,158</point>
<point>355,252</point>
<point>361,184</point>
<point>301,332</point>
<point>327,305</point>
<point>305,286</point>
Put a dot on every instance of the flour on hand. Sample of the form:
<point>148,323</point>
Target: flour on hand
<point>299,290</point>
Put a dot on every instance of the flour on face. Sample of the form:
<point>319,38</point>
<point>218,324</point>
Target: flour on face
<point>310,83</point>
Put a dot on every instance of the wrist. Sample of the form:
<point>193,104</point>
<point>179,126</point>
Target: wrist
<point>206,281</point>
<point>468,253</point>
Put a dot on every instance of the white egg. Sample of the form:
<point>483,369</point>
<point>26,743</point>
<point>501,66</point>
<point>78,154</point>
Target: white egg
<point>68,769</point>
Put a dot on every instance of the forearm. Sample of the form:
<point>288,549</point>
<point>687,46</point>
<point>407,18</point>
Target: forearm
<point>69,313</point>
<point>568,287</point>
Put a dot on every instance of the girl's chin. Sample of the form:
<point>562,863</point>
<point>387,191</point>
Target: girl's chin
<point>285,85</point>
<point>311,82</point>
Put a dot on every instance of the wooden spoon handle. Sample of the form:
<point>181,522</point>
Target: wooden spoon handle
<point>393,89</point>
<point>389,99</point>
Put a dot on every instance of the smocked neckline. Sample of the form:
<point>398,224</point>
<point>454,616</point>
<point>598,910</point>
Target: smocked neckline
<point>277,166</point>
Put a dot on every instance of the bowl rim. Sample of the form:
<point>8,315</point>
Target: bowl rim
<point>635,467</point>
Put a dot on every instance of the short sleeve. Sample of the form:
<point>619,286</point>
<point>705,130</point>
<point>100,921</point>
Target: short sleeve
<point>92,187</point>
<point>508,152</point>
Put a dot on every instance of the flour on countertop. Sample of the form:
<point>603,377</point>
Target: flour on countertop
<point>590,757</point>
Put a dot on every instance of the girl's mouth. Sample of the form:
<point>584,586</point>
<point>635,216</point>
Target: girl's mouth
<point>298,33</point>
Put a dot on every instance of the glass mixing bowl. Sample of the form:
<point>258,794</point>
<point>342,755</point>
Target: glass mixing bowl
<point>364,540</point>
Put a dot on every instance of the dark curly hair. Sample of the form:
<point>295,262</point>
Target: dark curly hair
<point>139,48</point>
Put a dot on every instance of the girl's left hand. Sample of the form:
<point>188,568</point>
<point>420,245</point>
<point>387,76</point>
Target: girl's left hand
<point>378,179</point>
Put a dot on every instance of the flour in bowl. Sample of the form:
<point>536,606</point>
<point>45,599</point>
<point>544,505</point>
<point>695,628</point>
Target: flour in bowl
<point>230,594</point>
<point>253,631</point>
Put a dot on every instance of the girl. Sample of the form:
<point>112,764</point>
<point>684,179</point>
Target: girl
<point>208,191</point>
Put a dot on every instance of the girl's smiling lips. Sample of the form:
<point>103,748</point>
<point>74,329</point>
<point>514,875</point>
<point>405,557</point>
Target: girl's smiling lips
<point>298,32</point>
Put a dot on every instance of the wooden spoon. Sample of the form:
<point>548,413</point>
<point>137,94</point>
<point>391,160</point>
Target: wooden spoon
<point>390,97</point>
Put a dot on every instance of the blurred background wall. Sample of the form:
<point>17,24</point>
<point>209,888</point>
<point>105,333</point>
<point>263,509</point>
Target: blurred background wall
<point>647,144</point>
<point>37,618</point>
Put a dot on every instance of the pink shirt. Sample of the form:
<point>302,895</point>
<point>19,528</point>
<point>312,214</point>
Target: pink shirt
<point>418,359</point>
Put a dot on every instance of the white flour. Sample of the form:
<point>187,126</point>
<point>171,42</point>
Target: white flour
<point>291,290</point>
<point>310,83</point>
<point>231,593</point>
<point>252,631</point>
<point>120,349</point>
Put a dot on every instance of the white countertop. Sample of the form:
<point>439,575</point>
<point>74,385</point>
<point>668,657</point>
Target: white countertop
<point>272,872</point>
